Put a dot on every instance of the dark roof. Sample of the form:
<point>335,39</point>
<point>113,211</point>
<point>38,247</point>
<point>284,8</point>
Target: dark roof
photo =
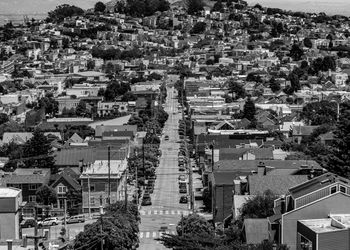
<point>118,134</point>
<point>317,183</point>
<point>249,165</point>
<point>236,153</point>
<point>72,156</point>
<point>63,177</point>
<point>24,176</point>
<point>226,141</point>
<point>61,125</point>
<point>222,178</point>
<point>102,128</point>
<point>278,184</point>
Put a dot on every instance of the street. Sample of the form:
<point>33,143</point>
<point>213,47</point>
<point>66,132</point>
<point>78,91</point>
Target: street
<point>166,210</point>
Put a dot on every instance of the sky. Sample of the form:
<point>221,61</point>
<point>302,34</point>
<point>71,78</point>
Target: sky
<point>43,6</point>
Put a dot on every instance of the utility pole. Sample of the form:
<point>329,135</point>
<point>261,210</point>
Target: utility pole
<point>101,227</point>
<point>126,189</point>
<point>65,214</point>
<point>109,175</point>
<point>137,183</point>
<point>89,196</point>
<point>36,247</point>
<point>143,158</point>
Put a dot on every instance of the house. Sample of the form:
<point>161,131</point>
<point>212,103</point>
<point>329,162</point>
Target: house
<point>108,108</point>
<point>95,184</point>
<point>92,76</point>
<point>331,233</point>
<point>301,132</point>
<point>23,137</point>
<point>315,199</point>
<point>100,129</point>
<point>227,177</point>
<point>68,190</point>
<point>29,180</point>
<point>10,207</point>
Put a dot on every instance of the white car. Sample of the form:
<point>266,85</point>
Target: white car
<point>52,221</point>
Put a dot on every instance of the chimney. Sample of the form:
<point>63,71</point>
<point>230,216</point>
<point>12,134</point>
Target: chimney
<point>261,169</point>
<point>283,205</point>
<point>237,187</point>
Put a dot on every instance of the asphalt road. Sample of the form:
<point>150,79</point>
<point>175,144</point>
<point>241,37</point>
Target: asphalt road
<point>166,210</point>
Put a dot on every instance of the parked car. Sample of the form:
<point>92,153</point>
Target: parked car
<point>52,221</point>
<point>146,202</point>
<point>76,219</point>
<point>182,177</point>
<point>183,199</point>
<point>166,137</point>
<point>183,190</point>
<point>28,222</point>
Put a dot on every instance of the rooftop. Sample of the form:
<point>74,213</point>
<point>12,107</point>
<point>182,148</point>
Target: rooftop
<point>9,192</point>
<point>100,168</point>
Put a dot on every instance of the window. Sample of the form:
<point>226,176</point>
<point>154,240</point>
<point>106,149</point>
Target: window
<point>92,201</point>
<point>62,189</point>
<point>106,187</point>
<point>333,189</point>
<point>33,186</point>
<point>92,187</point>
<point>342,189</point>
<point>32,198</point>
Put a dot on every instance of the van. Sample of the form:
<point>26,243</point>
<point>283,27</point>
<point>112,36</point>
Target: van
<point>76,219</point>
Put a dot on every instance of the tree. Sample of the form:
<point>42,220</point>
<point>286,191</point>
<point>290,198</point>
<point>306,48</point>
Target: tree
<point>63,11</point>
<point>198,28</point>
<point>38,150</point>
<point>49,104</point>
<point>120,227</point>
<point>217,6</point>
<point>236,88</point>
<point>294,82</point>
<point>249,110</point>
<point>90,65</point>
<point>328,63</point>
<point>194,6</point>
<point>261,206</point>
<point>274,85</point>
<point>3,118</point>
<point>81,109</point>
<point>100,7</point>
<point>307,42</point>
<point>318,113</point>
<point>46,195</point>
<point>296,52</point>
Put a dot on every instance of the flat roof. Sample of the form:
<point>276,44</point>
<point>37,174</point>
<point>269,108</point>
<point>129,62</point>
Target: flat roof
<point>323,225</point>
<point>9,192</point>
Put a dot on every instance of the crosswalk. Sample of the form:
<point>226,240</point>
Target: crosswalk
<point>155,234</point>
<point>165,212</point>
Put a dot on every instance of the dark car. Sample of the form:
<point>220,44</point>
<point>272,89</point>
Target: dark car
<point>183,190</point>
<point>183,199</point>
<point>29,222</point>
<point>166,137</point>
<point>146,202</point>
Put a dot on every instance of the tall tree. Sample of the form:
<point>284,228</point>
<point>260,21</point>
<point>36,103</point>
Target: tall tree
<point>296,52</point>
<point>218,6</point>
<point>194,6</point>
<point>46,195</point>
<point>249,110</point>
<point>38,153</point>
<point>307,42</point>
<point>236,88</point>
<point>81,109</point>
<point>318,113</point>
<point>261,206</point>
<point>100,7</point>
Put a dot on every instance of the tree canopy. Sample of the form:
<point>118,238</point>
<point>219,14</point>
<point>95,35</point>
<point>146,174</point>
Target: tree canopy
<point>46,195</point>
<point>194,6</point>
<point>318,113</point>
<point>236,88</point>
<point>100,7</point>
<point>63,11</point>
